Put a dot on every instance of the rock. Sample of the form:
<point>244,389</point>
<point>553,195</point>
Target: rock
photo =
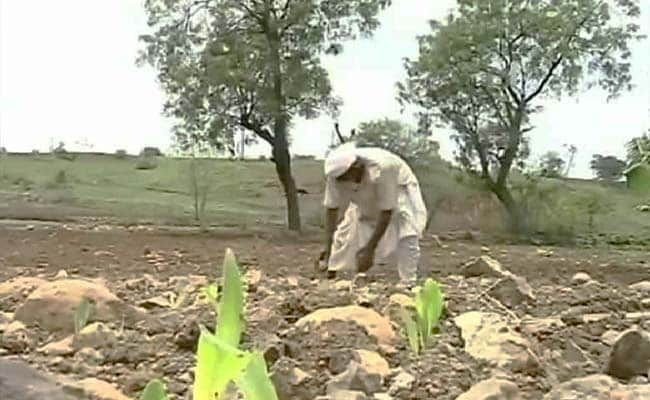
<point>16,338</point>
<point>97,389</point>
<point>402,382</point>
<point>374,324</point>
<point>382,396</point>
<point>356,378</point>
<point>645,303</point>
<point>52,305</point>
<point>541,326</point>
<point>155,302</point>
<point>19,288</point>
<point>610,337</point>
<point>63,347</point>
<point>20,381</point>
<point>492,389</point>
<point>252,277</point>
<point>96,335</point>
<point>347,395</point>
<point>90,355</point>
<point>510,289</point>
<point>643,287</point>
<point>630,355</point>
<point>581,278</point>
<point>291,383</point>
<point>395,303</point>
<point>371,361</point>
<point>598,387</point>
<point>489,338</point>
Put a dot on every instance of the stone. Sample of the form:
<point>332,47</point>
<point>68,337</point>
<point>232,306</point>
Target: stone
<point>581,278</point>
<point>610,337</point>
<point>382,396</point>
<point>643,287</point>
<point>488,337</point>
<point>16,338</point>
<point>347,395</point>
<point>52,305</point>
<point>541,326</point>
<point>357,378</point>
<point>62,347</point>
<point>402,382</point>
<point>252,277</point>
<point>492,389</point>
<point>97,389</point>
<point>374,324</point>
<point>630,355</point>
<point>90,355</point>
<point>371,361</point>
<point>510,289</point>
<point>396,303</point>
<point>96,335</point>
<point>19,288</point>
<point>290,381</point>
<point>62,274</point>
<point>20,381</point>
<point>592,387</point>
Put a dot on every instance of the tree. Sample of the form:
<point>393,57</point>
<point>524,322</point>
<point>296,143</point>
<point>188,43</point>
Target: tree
<point>398,138</point>
<point>251,64</point>
<point>572,149</point>
<point>484,69</point>
<point>638,148</point>
<point>607,168</point>
<point>551,165</point>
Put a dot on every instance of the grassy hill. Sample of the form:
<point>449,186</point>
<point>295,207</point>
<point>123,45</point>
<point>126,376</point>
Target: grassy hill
<point>248,193</point>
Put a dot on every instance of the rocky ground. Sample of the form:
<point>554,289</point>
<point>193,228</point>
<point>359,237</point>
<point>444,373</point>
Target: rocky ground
<point>520,323</point>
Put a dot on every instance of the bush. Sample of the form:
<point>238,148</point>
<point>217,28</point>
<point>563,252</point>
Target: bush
<point>146,163</point>
<point>121,154</point>
<point>151,152</point>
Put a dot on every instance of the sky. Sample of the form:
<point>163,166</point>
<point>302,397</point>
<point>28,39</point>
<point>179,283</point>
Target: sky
<point>68,73</point>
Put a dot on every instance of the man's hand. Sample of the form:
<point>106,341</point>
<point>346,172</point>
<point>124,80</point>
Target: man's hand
<point>365,259</point>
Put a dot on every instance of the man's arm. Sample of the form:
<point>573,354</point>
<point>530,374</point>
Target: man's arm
<point>331,220</point>
<point>380,229</point>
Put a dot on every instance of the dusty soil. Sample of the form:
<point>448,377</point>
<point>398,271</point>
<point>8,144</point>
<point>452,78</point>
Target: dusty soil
<point>138,264</point>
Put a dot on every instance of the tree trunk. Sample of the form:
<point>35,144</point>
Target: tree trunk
<point>281,154</point>
<point>517,222</point>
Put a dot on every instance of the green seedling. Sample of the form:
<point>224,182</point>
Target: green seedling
<point>219,361</point>
<point>82,314</point>
<point>419,325</point>
<point>155,390</point>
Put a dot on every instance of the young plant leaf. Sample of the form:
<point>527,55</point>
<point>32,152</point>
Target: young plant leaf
<point>411,328</point>
<point>256,384</point>
<point>82,314</point>
<point>231,306</point>
<point>429,304</point>
<point>155,390</point>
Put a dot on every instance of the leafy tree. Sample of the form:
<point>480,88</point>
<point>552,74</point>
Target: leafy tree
<point>399,138</point>
<point>608,168</point>
<point>484,70</point>
<point>551,165</point>
<point>251,64</point>
<point>638,148</point>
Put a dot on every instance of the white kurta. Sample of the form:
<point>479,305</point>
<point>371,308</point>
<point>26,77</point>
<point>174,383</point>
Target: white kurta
<point>388,184</point>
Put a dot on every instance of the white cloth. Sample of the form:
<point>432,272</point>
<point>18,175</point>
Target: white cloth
<point>340,160</point>
<point>388,184</point>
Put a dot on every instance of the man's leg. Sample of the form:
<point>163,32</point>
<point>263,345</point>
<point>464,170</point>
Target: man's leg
<point>408,259</point>
<point>345,244</point>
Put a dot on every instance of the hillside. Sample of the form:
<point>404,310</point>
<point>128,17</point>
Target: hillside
<point>248,193</point>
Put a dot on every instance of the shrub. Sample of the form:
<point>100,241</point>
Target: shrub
<point>121,154</point>
<point>151,152</point>
<point>146,163</point>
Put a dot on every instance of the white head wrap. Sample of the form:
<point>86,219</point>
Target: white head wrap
<point>340,160</point>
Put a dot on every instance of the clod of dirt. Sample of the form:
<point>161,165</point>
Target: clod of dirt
<point>16,338</point>
<point>489,337</point>
<point>597,387</point>
<point>96,336</point>
<point>356,377</point>
<point>642,287</point>
<point>630,355</point>
<point>581,278</point>
<point>492,389</point>
<point>17,289</point>
<point>52,305</point>
<point>63,347</point>
<point>402,382</point>
<point>510,289</point>
<point>375,325</point>
<point>20,381</point>
<point>291,382</point>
